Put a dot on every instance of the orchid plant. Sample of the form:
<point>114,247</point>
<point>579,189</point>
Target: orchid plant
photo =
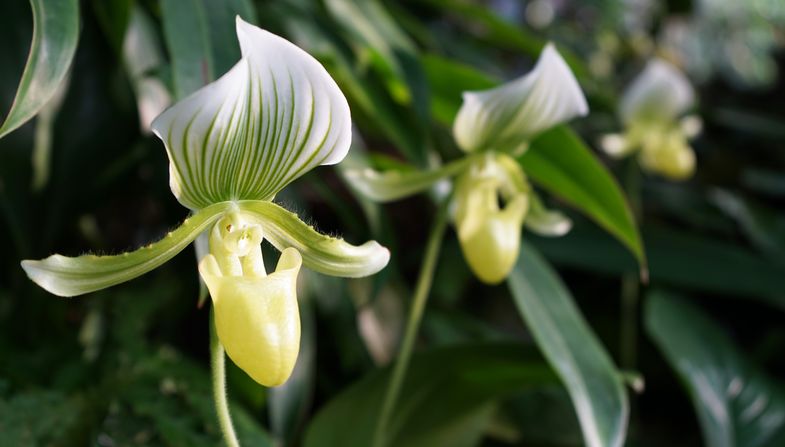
<point>653,110</point>
<point>232,146</point>
<point>491,198</point>
<point>492,128</point>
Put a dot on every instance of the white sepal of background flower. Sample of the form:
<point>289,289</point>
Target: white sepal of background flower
<point>660,93</point>
<point>274,116</point>
<point>508,116</point>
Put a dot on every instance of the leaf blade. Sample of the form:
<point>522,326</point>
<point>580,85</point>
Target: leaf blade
<point>572,349</point>
<point>55,36</point>
<point>737,403</point>
<point>562,164</point>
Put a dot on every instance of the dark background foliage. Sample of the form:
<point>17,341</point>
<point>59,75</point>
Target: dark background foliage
<point>128,365</point>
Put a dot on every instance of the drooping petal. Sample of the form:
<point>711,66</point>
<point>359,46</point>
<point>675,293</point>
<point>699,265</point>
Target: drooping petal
<point>546,222</point>
<point>660,93</point>
<point>324,254</point>
<point>67,276</point>
<point>274,116</point>
<point>257,318</point>
<point>507,116</point>
<point>392,185</point>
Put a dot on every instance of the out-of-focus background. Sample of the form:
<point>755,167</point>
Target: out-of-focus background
<point>128,366</point>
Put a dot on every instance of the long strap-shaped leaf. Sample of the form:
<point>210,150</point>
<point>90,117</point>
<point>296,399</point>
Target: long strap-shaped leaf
<point>55,35</point>
<point>66,276</point>
<point>562,164</point>
<point>572,349</point>
<point>325,254</point>
<point>738,404</point>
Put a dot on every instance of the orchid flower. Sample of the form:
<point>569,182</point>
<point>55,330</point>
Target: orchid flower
<point>492,127</point>
<point>652,110</point>
<point>232,146</point>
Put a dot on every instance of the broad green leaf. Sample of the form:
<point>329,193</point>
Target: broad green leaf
<point>113,17</point>
<point>55,35</point>
<point>512,113</point>
<point>572,348</point>
<point>498,32</point>
<point>369,24</point>
<point>273,117</point>
<point>396,184</point>
<point>447,81</point>
<point>325,254</point>
<point>446,398</point>
<point>200,37</point>
<point>738,404</point>
<point>562,164</point>
<point>67,276</point>
<point>677,258</point>
<point>186,32</point>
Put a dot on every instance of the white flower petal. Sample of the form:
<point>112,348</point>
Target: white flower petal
<point>660,92</point>
<point>511,114</point>
<point>274,116</point>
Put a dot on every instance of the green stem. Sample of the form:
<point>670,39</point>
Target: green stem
<point>421,293</point>
<point>218,364</point>
<point>630,282</point>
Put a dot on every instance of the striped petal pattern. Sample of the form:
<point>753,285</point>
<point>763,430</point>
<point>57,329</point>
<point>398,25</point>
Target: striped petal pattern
<point>506,117</point>
<point>273,117</point>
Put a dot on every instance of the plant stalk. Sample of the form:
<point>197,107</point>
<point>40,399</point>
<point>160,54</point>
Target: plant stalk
<point>421,292</point>
<point>218,366</point>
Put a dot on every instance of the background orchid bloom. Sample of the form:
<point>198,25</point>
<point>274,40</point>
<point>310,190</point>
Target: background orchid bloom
<point>652,110</point>
<point>494,126</point>
<point>232,146</point>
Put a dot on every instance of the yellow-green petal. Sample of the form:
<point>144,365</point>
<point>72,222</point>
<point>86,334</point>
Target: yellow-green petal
<point>71,276</point>
<point>324,254</point>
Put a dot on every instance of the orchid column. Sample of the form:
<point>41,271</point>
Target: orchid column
<point>232,146</point>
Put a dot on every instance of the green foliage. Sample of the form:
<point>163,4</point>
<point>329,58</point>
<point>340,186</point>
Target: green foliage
<point>737,403</point>
<point>572,349</point>
<point>56,32</point>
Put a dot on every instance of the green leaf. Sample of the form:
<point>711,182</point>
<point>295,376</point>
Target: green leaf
<point>678,258</point>
<point>572,349</point>
<point>66,276</point>
<point>273,117</point>
<point>187,36</point>
<point>738,405</point>
<point>200,37</point>
<point>561,163</point>
<point>447,81</point>
<point>55,35</point>
<point>325,254</point>
<point>447,398</point>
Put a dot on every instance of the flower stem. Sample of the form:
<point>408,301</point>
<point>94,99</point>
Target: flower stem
<point>630,282</point>
<point>218,364</point>
<point>421,293</point>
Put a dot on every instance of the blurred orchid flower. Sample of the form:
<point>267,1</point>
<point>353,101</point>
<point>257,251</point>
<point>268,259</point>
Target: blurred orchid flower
<point>232,146</point>
<point>492,199</point>
<point>652,110</point>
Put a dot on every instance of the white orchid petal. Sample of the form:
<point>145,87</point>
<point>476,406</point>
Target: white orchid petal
<point>274,116</point>
<point>513,113</point>
<point>660,92</point>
